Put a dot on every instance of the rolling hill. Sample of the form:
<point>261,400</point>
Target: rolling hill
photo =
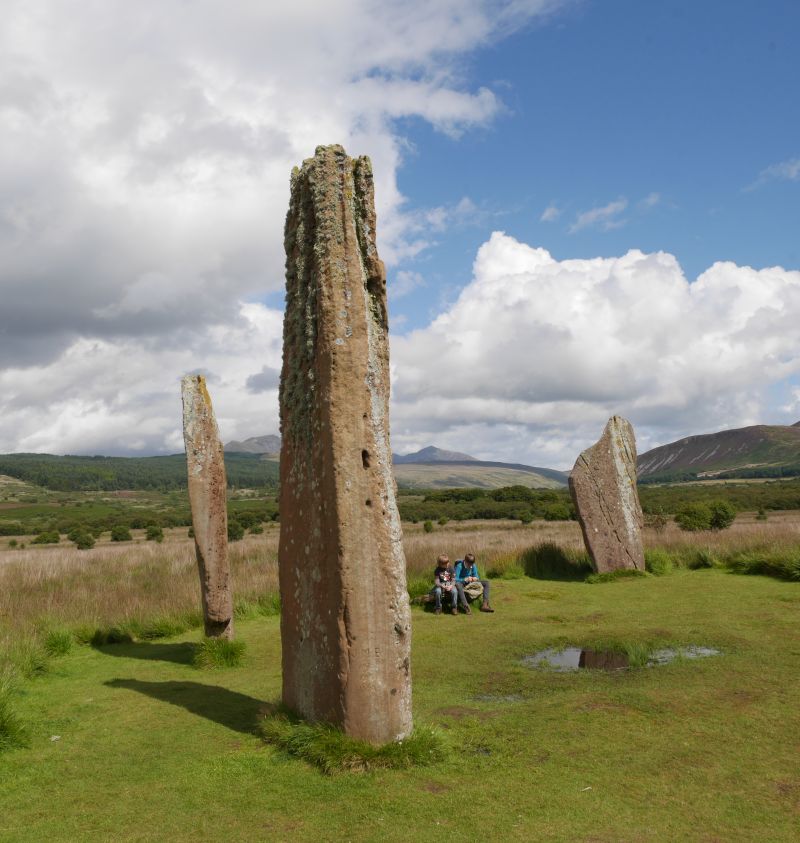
<point>436,468</point>
<point>757,451</point>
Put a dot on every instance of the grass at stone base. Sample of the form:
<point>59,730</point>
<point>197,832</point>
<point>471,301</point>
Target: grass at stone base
<point>149,748</point>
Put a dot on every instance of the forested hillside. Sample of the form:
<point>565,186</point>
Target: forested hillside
<point>73,474</point>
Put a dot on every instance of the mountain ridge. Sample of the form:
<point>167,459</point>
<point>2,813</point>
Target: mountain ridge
<point>759,450</point>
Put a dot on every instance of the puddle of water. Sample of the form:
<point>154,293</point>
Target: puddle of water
<point>670,654</point>
<point>574,658</point>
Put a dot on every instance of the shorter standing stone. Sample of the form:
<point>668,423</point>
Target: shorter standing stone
<point>603,488</point>
<point>207,494</point>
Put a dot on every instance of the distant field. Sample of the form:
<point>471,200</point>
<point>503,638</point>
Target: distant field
<point>420,476</point>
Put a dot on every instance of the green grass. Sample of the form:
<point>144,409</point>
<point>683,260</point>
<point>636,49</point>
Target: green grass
<point>12,731</point>
<point>57,642</point>
<point>613,576</point>
<point>216,653</point>
<point>332,751</point>
<point>693,750</point>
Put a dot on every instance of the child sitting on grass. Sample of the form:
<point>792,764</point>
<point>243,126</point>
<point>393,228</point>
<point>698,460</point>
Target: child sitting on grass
<point>444,582</point>
<point>468,578</point>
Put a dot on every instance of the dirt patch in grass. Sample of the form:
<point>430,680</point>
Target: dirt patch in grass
<point>436,787</point>
<point>460,712</point>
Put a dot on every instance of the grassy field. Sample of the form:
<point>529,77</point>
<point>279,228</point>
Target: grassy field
<point>131,742</point>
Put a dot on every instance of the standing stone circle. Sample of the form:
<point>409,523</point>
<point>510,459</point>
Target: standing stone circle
<point>205,462</point>
<point>603,489</point>
<point>345,616</point>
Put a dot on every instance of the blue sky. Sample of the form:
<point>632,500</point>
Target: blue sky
<point>585,208</point>
<point>623,100</point>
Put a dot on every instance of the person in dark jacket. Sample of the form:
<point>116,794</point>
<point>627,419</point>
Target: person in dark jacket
<point>467,573</point>
<point>444,583</point>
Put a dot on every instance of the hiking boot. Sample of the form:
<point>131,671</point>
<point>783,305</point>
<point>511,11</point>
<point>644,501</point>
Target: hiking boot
<point>437,611</point>
<point>486,608</point>
<point>467,610</point>
<point>455,610</point>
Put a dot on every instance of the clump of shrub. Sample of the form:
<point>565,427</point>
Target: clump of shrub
<point>47,537</point>
<point>557,512</point>
<point>121,533</point>
<point>235,531</point>
<point>427,526</point>
<point>442,521</point>
<point>549,561</point>
<point>83,541</point>
<point>154,533</point>
<point>214,653</point>
<point>329,749</point>
<point>711,515</point>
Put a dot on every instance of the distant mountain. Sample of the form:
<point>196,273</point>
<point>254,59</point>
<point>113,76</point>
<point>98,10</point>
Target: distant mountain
<point>434,468</point>
<point>255,445</point>
<point>758,451</point>
<point>432,454</point>
<point>475,474</point>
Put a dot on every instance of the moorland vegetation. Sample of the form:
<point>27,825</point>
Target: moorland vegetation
<point>107,688</point>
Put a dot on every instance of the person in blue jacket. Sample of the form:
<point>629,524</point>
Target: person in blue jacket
<point>466,573</point>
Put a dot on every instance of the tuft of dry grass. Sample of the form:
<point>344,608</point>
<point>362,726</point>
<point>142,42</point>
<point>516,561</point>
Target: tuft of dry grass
<point>108,586</point>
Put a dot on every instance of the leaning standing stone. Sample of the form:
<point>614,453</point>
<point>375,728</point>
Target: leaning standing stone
<point>207,495</point>
<point>345,618</point>
<point>603,488</point>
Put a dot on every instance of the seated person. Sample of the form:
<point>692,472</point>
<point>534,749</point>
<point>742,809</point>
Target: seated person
<point>444,582</point>
<point>466,573</point>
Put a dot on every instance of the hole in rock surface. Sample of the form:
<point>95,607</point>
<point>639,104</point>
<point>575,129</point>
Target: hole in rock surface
<point>576,658</point>
<point>365,458</point>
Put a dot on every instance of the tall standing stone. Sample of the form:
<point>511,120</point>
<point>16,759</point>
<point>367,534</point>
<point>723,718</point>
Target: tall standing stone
<point>603,488</point>
<point>345,618</point>
<point>207,495</point>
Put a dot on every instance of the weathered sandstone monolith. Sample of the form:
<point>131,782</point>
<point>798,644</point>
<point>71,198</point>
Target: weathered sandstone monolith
<point>206,464</point>
<point>345,618</point>
<point>603,488</point>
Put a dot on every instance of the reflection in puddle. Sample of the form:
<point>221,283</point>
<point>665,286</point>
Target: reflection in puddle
<point>574,658</point>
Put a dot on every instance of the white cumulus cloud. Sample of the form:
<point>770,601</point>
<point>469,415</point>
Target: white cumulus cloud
<point>537,353</point>
<point>145,153</point>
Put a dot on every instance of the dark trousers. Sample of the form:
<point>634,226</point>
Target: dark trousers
<point>463,596</point>
<point>454,592</point>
